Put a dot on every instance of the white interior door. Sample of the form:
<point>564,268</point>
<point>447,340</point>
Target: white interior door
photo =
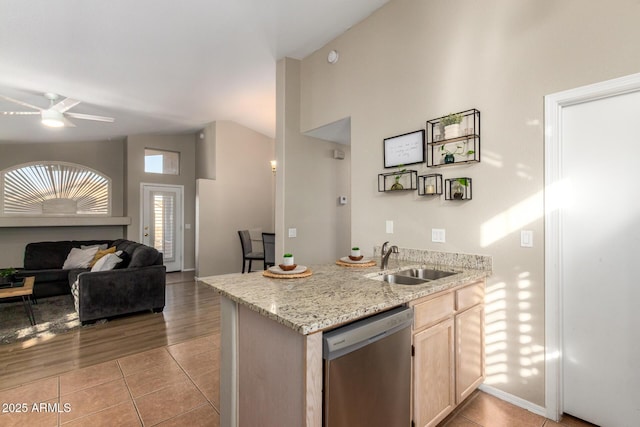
<point>162,222</point>
<point>600,246</point>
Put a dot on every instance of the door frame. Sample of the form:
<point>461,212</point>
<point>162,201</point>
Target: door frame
<point>553,111</point>
<point>180,212</point>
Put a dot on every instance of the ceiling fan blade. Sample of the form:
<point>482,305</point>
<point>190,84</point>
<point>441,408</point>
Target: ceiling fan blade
<point>67,123</point>
<point>90,117</point>
<point>18,113</point>
<point>65,105</point>
<point>25,104</point>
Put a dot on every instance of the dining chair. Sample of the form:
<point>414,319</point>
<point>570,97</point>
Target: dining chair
<point>247,250</point>
<point>269,245</point>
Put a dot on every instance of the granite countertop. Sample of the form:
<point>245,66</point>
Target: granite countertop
<point>332,295</point>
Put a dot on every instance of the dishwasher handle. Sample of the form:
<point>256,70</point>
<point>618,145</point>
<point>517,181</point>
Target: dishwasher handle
<point>354,336</point>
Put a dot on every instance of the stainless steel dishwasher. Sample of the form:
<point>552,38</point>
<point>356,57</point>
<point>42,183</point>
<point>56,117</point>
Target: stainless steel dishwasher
<point>367,372</point>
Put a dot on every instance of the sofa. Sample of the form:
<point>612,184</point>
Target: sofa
<point>135,284</point>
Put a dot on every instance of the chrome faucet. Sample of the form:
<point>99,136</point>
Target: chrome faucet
<point>384,254</point>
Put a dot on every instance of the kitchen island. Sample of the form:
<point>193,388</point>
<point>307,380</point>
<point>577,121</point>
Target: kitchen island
<point>271,331</point>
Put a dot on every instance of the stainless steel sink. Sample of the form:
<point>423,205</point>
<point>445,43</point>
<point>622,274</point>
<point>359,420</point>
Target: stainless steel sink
<point>402,280</point>
<point>425,273</point>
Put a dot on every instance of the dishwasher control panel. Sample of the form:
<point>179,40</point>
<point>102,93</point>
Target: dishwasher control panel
<point>365,331</point>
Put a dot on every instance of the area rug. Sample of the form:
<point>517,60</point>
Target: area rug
<point>54,315</point>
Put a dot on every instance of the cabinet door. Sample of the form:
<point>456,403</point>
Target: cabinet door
<point>433,367</point>
<point>469,351</point>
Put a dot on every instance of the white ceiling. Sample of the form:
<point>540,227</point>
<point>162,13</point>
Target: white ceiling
<point>157,66</point>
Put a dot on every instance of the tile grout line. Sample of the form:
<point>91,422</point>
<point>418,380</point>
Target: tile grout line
<point>133,401</point>
<point>193,381</point>
<point>101,410</point>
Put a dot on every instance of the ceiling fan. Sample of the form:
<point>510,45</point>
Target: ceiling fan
<point>57,113</point>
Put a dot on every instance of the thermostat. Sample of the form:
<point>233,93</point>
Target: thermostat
<point>342,200</point>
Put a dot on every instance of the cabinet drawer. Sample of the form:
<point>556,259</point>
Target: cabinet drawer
<point>469,296</point>
<point>432,311</point>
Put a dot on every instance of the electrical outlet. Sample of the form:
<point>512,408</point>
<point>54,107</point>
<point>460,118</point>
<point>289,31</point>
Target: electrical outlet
<point>438,235</point>
<point>293,232</point>
<point>389,226</point>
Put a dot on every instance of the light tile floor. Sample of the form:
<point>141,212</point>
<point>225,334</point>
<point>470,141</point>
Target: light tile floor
<point>177,385</point>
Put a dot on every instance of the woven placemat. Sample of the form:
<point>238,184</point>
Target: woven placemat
<point>371,263</point>
<point>306,273</point>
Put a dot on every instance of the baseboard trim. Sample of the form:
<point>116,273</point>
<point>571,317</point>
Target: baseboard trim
<point>514,400</point>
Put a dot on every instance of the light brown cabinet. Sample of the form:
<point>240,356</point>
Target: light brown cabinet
<point>448,348</point>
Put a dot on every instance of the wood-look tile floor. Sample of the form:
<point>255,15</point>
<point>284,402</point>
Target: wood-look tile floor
<point>159,370</point>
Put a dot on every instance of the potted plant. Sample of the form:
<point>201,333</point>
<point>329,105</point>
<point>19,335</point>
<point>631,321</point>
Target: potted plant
<point>287,260</point>
<point>396,185</point>
<point>450,156</point>
<point>458,188</point>
<point>451,125</point>
<point>355,254</point>
<point>6,275</point>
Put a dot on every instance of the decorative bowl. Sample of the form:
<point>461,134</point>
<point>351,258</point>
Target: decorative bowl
<point>355,258</point>
<point>288,267</point>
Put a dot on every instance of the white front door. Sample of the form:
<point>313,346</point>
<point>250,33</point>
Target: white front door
<point>599,245</point>
<point>162,222</point>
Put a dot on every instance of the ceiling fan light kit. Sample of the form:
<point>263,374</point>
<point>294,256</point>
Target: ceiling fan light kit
<point>52,118</point>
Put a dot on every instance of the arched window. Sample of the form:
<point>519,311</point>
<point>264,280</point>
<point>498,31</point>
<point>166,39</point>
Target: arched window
<point>55,188</point>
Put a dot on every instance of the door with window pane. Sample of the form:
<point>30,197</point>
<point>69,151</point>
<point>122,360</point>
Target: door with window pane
<point>162,222</point>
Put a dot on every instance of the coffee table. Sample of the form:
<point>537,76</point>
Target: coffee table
<point>25,291</point>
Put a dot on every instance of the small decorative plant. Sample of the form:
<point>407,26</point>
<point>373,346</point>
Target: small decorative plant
<point>6,274</point>
<point>452,119</point>
<point>287,259</point>
<point>450,156</point>
<point>396,185</point>
<point>355,254</point>
<point>451,125</point>
<point>458,188</point>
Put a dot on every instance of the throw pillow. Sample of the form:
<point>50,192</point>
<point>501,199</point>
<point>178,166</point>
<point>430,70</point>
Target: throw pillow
<point>100,254</point>
<point>79,258</point>
<point>107,262</point>
<point>100,247</point>
<point>125,260</point>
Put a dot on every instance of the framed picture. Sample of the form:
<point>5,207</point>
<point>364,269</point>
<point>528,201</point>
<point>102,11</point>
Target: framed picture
<point>406,149</point>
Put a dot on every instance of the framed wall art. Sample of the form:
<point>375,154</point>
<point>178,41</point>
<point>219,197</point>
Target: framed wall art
<point>405,149</point>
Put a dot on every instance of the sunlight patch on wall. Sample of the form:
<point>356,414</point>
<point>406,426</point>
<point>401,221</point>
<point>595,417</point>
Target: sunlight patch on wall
<point>525,212</point>
<point>511,220</point>
<point>531,354</point>
<point>496,336</point>
<point>492,158</point>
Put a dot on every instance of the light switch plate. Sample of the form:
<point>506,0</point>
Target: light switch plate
<point>438,235</point>
<point>526,238</point>
<point>389,226</point>
<point>293,232</point>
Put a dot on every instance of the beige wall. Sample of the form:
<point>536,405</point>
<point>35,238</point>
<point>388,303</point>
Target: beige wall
<point>206,153</point>
<point>414,60</point>
<point>241,196</point>
<point>312,180</point>
<point>106,157</point>
<point>135,175</point>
